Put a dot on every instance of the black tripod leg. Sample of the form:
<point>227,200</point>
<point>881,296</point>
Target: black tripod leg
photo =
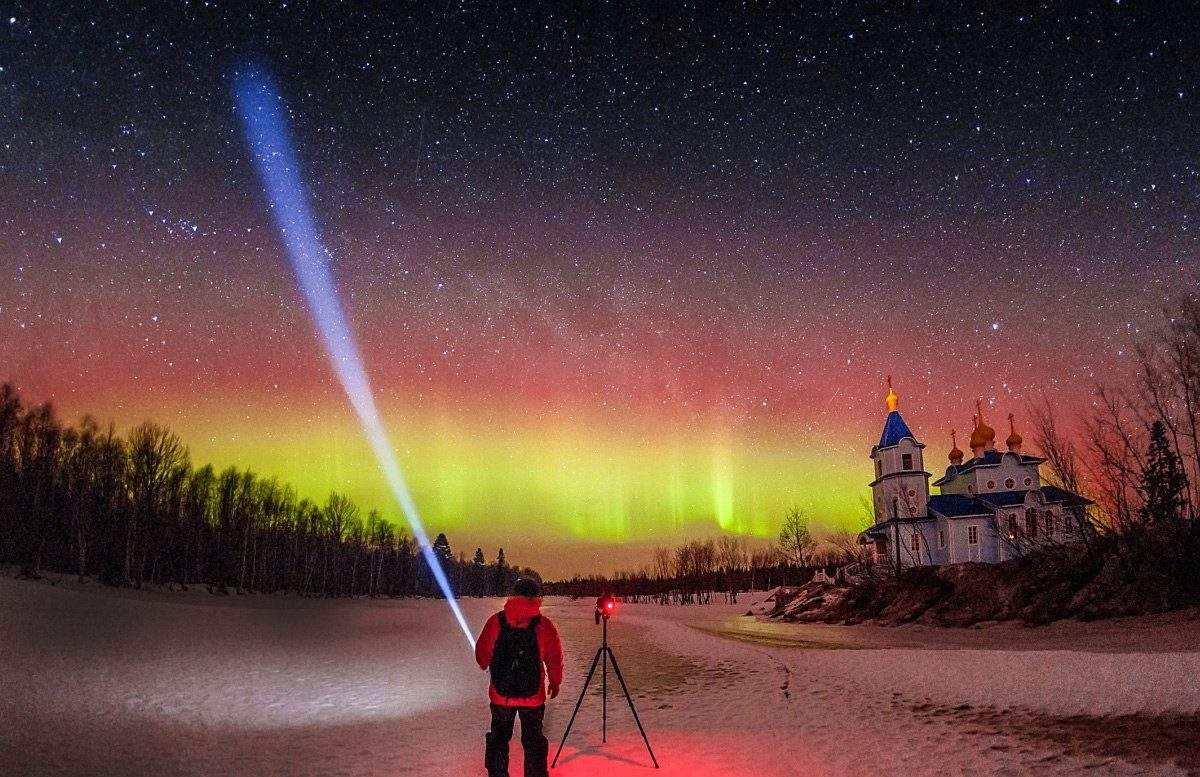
<point>604,697</point>
<point>578,704</point>
<point>613,657</point>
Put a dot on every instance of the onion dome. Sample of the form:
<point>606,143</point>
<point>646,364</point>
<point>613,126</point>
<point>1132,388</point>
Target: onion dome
<point>894,428</point>
<point>1014,440</point>
<point>983,435</point>
<point>956,456</point>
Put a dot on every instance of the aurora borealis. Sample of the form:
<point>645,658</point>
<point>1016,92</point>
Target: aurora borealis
<point>618,275</point>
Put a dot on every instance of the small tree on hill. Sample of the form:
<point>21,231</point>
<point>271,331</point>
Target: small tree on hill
<point>795,541</point>
<point>1164,484</point>
<point>1162,549</point>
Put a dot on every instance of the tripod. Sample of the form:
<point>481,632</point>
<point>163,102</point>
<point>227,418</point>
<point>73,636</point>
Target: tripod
<point>604,654</point>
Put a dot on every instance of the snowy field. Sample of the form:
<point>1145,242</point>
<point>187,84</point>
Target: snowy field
<point>99,682</point>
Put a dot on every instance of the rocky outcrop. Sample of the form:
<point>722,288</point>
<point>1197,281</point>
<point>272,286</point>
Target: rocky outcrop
<point>1036,589</point>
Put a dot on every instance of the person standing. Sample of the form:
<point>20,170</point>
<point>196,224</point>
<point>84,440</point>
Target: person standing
<point>521,648</point>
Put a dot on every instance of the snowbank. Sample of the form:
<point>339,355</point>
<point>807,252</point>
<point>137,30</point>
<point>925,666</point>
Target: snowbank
<point>116,683</point>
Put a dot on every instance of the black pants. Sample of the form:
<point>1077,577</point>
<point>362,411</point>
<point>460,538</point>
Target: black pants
<point>533,741</point>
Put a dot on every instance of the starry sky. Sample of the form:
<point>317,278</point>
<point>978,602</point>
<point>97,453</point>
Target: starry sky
<point>621,274</point>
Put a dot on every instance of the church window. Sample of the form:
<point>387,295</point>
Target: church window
<point>1031,522</point>
<point>971,489</point>
<point>1010,483</point>
<point>972,535</point>
<point>1067,528</point>
<point>941,538</point>
<point>1012,526</point>
<point>911,493</point>
<point>1029,481</point>
<point>895,507</point>
<point>1049,524</point>
<point>991,484</point>
<point>878,468</point>
<point>906,461</point>
<point>916,542</point>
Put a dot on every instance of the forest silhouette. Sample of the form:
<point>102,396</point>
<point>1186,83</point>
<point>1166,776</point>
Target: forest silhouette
<point>133,510</point>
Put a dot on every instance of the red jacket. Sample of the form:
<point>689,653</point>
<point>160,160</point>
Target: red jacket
<point>518,612</point>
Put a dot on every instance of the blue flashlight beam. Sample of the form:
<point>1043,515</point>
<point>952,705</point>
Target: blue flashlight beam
<point>261,108</point>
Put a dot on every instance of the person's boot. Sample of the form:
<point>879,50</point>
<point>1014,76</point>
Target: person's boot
<point>495,755</point>
<point>536,754</point>
<point>535,745</point>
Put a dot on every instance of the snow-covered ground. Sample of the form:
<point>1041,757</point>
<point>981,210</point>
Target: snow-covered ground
<point>100,682</point>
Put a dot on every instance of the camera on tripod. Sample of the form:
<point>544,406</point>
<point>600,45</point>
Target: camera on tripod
<point>606,607</point>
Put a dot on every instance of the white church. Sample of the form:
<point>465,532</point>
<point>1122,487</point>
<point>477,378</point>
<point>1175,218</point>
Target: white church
<point>992,507</point>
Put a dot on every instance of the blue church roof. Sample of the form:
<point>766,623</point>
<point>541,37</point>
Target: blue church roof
<point>894,430</point>
<point>1005,498</point>
<point>955,505</point>
<point>1056,494</point>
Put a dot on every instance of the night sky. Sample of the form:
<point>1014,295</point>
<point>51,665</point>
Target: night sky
<point>620,275</point>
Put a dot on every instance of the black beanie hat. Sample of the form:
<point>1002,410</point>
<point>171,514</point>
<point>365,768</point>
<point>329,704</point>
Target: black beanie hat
<point>526,587</point>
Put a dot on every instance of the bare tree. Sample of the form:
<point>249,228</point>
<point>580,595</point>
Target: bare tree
<point>795,541</point>
<point>763,560</point>
<point>731,553</point>
<point>156,456</point>
<point>844,548</point>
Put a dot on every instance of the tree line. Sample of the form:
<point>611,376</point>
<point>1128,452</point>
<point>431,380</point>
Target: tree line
<point>1138,458</point>
<point>132,510</point>
<point>697,570</point>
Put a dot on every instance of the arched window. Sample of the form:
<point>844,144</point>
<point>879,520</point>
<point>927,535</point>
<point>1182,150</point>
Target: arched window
<point>1031,523</point>
<point>916,542</point>
<point>895,507</point>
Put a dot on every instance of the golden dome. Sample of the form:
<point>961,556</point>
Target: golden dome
<point>1014,440</point>
<point>983,435</point>
<point>956,456</point>
<point>891,399</point>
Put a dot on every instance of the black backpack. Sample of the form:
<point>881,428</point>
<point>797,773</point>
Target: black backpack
<point>517,661</point>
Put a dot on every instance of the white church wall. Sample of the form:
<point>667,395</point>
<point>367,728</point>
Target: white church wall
<point>909,491</point>
<point>970,539</point>
<point>925,551</point>
<point>957,485</point>
<point>939,546</point>
<point>1009,475</point>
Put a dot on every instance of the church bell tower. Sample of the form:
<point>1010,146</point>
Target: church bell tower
<point>901,485</point>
